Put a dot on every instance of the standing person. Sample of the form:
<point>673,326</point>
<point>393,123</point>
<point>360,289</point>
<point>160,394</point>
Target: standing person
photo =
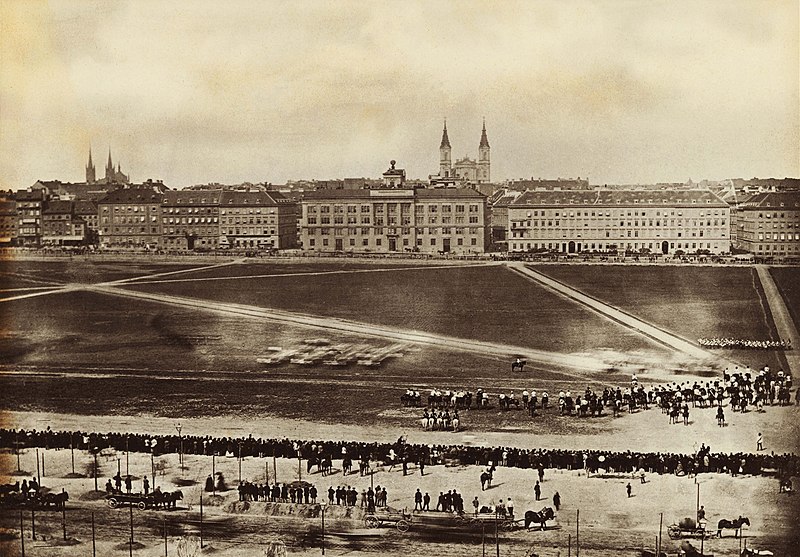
<point>685,414</point>
<point>418,500</point>
<point>720,417</point>
<point>537,490</point>
<point>422,466</point>
<point>557,500</point>
<point>128,484</point>
<point>541,473</point>
<point>628,488</point>
<point>426,502</point>
<point>405,466</point>
<point>510,508</point>
<point>760,442</point>
<point>476,504</point>
<point>146,485</point>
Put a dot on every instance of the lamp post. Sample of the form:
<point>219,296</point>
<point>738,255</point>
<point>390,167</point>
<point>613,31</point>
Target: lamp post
<point>322,507</point>
<point>180,446</point>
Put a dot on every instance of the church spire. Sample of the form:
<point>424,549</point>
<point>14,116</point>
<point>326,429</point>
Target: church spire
<point>484,139</point>
<point>445,139</point>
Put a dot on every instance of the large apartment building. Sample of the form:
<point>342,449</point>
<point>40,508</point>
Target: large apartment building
<point>643,221</point>
<point>257,220</point>
<point>190,219</point>
<point>439,220</point>
<point>768,224</point>
<point>131,216</point>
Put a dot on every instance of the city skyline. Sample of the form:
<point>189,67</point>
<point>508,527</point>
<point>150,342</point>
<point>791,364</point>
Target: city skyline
<point>619,92</point>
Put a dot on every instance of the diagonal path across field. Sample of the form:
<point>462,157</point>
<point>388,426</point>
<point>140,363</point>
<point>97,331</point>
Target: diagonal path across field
<point>615,314</point>
<point>780,316</point>
<point>149,280</point>
<point>354,327</point>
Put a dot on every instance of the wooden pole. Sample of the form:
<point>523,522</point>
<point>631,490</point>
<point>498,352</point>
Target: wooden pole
<point>240,463</point>
<point>64,517</point>
<point>323,529</point>
<point>266,470</point>
<point>483,537</point>
<point>127,457</point>
<point>72,451</point>
<point>38,474</point>
<point>94,553</point>
<point>153,468</point>
<point>43,472</point>
<point>33,524</point>
<point>130,545</point>
<point>275,467</point>
<point>201,519</point>
<point>165,537</point>
<point>94,471</point>
<point>214,473</point>
<point>577,533</point>
<point>22,533</point>
<point>496,535</point>
<point>658,543</point>
<point>569,545</point>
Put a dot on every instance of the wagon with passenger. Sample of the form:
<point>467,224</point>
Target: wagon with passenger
<point>389,516</point>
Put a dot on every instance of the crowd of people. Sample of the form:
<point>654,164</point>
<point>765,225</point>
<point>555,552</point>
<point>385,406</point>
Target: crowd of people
<point>745,343</point>
<point>378,454</point>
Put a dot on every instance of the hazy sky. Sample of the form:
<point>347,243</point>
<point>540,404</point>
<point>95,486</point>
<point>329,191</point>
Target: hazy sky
<point>192,92</point>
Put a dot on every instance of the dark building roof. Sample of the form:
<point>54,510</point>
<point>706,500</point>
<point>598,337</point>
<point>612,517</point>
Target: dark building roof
<point>773,199</point>
<point>33,195</point>
<point>58,208</point>
<point>250,198</point>
<point>85,208</point>
<point>144,193</point>
<point>684,198</point>
<point>192,197</point>
<point>448,193</point>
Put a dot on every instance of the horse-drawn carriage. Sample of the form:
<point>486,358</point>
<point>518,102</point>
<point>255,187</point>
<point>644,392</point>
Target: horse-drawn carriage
<point>165,500</point>
<point>688,528</point>
<point>11,496</point>
<point>387,515</point>
<point>505,522</point>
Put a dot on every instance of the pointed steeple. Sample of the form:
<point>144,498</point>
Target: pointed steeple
<point>90,158</point>
<point>484,139</point>
<point>445,139</point>
<point>109,164</point>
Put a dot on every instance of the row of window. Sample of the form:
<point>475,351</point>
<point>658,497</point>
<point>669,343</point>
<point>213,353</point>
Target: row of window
<point>392,231</point>
<point>618,214</point>
<point>391,208</point>
<point>607,224</point>
<point>774,236</point>
<point>378,242</point>
<point>653,246</point>
<point>589,233</point>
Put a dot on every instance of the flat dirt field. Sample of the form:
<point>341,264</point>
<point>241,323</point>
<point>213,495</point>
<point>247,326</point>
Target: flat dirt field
<point>77,352</point>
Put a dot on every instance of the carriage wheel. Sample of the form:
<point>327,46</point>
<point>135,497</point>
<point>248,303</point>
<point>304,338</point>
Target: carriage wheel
<point>674,532</point>
<point>371,522</point>
<point>113,503</point>
<point>507,525</point>
<point>142,505</point>
<point>403,526</point>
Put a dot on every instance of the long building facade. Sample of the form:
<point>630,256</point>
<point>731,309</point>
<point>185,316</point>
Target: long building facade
<point>768,224</point>
<point>641,221</point>
<point>434,221</point>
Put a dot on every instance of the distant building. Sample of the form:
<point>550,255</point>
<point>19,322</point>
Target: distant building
<point>769,224</point>
<point>257,220</point>
<point>130,216</point>
<point>190,219</point>
<point>394,177</point>
<point>29,205</point>
<point>640,221</point>
<point>465,170</point>
<point>61,226</point>
<point>391,220</point>
<point>8,222</point>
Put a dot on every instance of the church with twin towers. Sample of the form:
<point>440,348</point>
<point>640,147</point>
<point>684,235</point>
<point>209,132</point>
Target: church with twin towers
<point>464,169</point>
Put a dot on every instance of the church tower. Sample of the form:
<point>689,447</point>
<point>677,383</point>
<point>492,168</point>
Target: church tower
<point>484,164</point>
<point>90,171</point>
<point>109,169</point>
<point>445,165</point>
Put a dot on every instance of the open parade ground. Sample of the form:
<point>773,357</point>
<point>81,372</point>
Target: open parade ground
<point>318,350</point>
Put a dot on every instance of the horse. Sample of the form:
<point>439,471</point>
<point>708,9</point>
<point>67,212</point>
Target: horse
<point>57,500</point>
<point>168,499</point>
<point>532,517</point>
<point>5,489</point>
<point>518,363</point>
<point>747,552</point>
<point>486,480</point>
<point>735,525</point>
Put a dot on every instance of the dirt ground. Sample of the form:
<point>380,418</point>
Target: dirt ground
<point>608,518</point>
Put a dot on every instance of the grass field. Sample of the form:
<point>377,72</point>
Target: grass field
<point>788,281</point>
<point>482,303</point>
<point>691,302</point>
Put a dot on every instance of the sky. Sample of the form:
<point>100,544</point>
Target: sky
<point>619,92</point>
